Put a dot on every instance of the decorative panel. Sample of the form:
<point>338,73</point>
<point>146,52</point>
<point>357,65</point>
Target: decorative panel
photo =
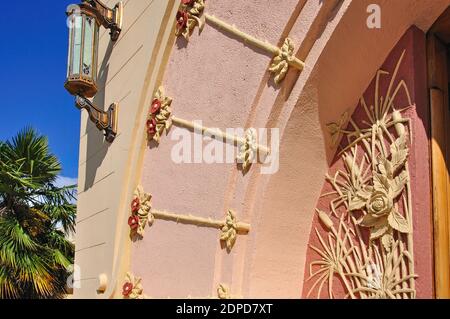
<point>371,236</point>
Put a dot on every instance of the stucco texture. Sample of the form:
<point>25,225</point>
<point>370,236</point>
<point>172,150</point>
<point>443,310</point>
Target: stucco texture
<point>218,79</point>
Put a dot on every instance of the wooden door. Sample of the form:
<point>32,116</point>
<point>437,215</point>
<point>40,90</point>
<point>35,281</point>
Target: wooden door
<point>438,82</point>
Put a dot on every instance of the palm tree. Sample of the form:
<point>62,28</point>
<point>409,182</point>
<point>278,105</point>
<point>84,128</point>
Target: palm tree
<point>35,218</point>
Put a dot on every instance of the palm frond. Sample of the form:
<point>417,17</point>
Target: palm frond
<point>31,151</point>
<point>8,286</point>
<point>35,217</point>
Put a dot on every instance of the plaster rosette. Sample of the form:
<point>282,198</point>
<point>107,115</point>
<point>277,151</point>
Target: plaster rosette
<point>189,16</point>
<point>140,212</point>
<point>132,288</point>
<point>159,118</point>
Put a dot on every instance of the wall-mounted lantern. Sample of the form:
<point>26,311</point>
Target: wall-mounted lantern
<point>85,20</point>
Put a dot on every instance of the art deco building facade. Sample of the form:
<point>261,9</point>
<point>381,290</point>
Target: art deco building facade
<point>356,93</point>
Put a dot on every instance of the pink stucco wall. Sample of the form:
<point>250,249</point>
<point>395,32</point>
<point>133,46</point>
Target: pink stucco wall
<point>217,79</point>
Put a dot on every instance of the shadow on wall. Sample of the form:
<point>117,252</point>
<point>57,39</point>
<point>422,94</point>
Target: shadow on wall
<point>96,146</point>
<point>292,191</point>
<point>327,13</point>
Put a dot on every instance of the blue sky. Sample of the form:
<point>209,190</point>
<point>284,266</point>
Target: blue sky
<point>33,58</point>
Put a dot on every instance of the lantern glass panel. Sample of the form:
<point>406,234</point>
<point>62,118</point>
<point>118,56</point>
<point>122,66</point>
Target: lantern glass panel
<point>77,45</point>
<point>69,54</point>
<point>88,53</point>
<point>95,62</point>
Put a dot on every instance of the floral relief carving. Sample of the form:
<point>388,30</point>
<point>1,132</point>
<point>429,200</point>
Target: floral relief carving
<point>371,193</point>
<point>382,215</point>
<point>189,16</point>
<point>229,230</point>
<point>159,118</point>
<point>337,128</point>
<point>140,212</point>
<point>248,150</point>
<point>223,292</point>
<point>280,63</point>
<point>132,288</point>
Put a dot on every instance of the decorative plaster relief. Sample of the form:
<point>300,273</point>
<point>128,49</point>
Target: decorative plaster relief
<point>132,288</point>
<point>191,14</point>
<point>284,58</point>
<point>336,129</point>
<point>248,150</point>
<point>229,230</point>
<point>142,213</point>
<point>160,119</point>
<point>372,192</point>
<point>223,292</point>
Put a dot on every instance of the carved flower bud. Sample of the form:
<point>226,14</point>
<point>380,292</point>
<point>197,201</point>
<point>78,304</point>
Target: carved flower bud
<point>223,292</point>
<point>399,127</point>
<point>135,205</point>
<point>349,160</point>
<point>127,289</point>
<point>350,164</point>
<point>133,222</point>
<point>151,127</point>
<point>182,19</point>
<point>156,106</point>
<point>325,219</point>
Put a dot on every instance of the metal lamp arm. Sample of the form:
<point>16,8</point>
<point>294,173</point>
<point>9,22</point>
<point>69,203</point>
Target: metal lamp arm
<point>106,121</point>
<point>109,18</point>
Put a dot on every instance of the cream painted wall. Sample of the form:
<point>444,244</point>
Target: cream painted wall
<point>230,87</point>
<point>106,171</point>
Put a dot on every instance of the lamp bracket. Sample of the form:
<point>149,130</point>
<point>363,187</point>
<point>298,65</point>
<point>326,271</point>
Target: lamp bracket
<point>110,18</point>
<point>105,121</point>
